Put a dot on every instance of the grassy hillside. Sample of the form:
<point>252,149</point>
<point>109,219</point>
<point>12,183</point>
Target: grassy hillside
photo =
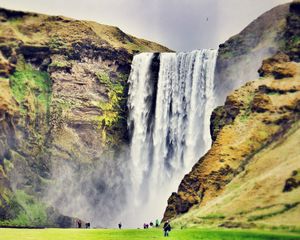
<point>242,179</point>
<point>118,39</point>
<point>258,196</point>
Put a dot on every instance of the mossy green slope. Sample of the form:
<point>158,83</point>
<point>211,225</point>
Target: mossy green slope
<point>59,33</point>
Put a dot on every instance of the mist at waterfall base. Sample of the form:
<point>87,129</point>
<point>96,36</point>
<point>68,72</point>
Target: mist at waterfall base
<point>94,191</point>
<point>170,102</point>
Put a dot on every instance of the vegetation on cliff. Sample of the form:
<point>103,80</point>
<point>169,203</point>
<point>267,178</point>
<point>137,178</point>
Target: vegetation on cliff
<point>292,33</point>
<point>27,210</point>
<point>27,83</point>
<point>63,104</point>
<point>113,109</point>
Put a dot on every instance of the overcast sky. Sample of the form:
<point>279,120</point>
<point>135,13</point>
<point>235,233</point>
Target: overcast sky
<point>178,24</point>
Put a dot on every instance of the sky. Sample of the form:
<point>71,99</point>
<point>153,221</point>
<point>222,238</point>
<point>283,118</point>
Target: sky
<point>181,25</point>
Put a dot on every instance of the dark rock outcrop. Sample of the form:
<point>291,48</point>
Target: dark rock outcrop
<point>292,32</point>
<point>293,182</point>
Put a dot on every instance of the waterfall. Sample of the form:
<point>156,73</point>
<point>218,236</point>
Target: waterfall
<point>169,112</point>
<point>140,101</point>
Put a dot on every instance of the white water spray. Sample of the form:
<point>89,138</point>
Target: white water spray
<point>169,124</point>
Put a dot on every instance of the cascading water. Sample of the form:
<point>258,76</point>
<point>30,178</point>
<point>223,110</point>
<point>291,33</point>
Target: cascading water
<point>141,98</point>
<point>169,113</point>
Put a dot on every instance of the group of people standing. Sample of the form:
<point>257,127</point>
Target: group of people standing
<point>79,224</point>
<point>167,226</point>
<point>151,224</point>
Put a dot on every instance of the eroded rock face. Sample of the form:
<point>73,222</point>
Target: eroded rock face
<point>8,112</point>
<point>224,115</point>
<point>64,121</point>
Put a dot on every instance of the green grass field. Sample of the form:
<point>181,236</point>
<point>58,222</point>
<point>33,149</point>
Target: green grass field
<point>109,234</point>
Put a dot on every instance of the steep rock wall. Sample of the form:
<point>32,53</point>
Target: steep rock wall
<point>64,123</point>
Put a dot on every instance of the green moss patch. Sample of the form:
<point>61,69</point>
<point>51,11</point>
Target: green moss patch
<point>8,165</point>
<point>27,210</point>
<point>56,43</point>
<point>27,82</point>
<point>213,216</point>
<point>112,108</point>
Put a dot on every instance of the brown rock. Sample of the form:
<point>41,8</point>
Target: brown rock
<point>8,105</point>
<point>279,66</point>
<point>261,103</point>
<point>5,67</point>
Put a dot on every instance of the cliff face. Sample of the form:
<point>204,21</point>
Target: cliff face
<point>241,56</point>
<point>63,115</point>
<point>249,177</point>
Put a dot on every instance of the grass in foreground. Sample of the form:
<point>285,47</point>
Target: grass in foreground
<point>110,234</point>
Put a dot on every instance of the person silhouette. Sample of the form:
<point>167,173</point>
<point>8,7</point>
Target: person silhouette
<point>167,228</point>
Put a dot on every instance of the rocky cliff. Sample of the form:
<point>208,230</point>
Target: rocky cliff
<point>241,56</point>
<point>63,88</point>
<point>249,177</point>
